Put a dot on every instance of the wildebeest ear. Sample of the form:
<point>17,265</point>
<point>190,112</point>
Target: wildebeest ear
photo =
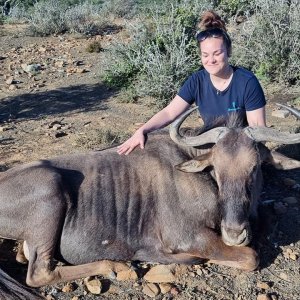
<point>282,162</point>
<point>196,164</point>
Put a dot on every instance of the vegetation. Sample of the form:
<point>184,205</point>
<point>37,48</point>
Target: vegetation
<point>94,46</point>
<point>103,137</point>
<point>160,50</point>
<point>161,54</point>
<point>268,42</point>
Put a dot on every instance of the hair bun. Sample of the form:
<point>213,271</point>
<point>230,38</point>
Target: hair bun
<point>209,20</point>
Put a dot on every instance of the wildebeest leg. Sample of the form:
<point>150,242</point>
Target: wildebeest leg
<point>41,247</point>
<point>42,273</point>
<point>209,246</point>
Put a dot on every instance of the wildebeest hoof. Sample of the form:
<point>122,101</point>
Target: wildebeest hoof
<point>250,259</point>
<point>117,270</point>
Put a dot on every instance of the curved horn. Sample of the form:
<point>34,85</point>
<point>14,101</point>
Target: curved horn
<point>265,134</point>
<point>292,110</point>
<point>211,136</point>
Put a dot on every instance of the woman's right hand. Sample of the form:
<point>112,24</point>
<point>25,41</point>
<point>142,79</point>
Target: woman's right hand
<point>138,139</point>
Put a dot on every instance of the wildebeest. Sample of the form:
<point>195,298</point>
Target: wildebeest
<point>94,209</point>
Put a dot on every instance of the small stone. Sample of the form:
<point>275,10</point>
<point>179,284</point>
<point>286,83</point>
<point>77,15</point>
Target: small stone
<point>50,297</point>
<point>293,256</point>
<point>79,70</point>
<point>60,64</point>
<point>9,81</point>
<point>75,298</point>
<point>263,297</point>
<point>151,290</point>
<point>283,276</point>
<point>114,289</point>
<point>94,286</point>
<point>68,288</point>
<point>2,128</point>
<point>12,87</point>
<point>180,270</point>
<point>165,287</point>
<point>191,274</point>
<point>199,272</point>
<point>263,285</point>
<point>174,291</point>
<point>56,126</point>
<point>127,275</point>
<point>32,68</point>
<point>160,273</point>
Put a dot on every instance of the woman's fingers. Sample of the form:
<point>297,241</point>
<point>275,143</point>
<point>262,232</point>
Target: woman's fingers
<point>137,139</point>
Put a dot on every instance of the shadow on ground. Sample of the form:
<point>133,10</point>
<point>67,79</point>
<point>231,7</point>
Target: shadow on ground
<point>53,102</point>
<point>279,229</point>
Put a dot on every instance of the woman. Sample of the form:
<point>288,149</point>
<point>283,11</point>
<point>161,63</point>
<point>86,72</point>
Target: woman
<point>217,89</point>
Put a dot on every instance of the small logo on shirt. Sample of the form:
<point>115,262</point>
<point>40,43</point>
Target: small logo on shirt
<point>233,107</point>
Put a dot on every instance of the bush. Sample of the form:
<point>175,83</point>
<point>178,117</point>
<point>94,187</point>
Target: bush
<point>161,54</point>
<point>268,42</point>
<point>84,18</point>
<point>48,17</point>
<point>54,16</point>
<point>120,8</point>
<point>94,46</point>
<point>233,7</point>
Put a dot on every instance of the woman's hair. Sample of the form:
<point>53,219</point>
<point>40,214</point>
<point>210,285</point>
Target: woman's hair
<point>210,24</point>
<point>210,20</point>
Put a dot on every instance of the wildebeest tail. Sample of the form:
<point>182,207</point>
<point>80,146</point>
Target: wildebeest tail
<point>10,289</point>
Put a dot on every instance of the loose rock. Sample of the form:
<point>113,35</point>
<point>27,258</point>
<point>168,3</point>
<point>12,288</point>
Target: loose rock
<point>160,273</point>
<point>68,288</point>
<point>94,286</point>
<point>151,289</point>
<point>263,285</point>
<point>165,287</point>
<point>263,297</point>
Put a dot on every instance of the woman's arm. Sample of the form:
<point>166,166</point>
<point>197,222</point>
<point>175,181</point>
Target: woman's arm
<point>256,117</point>
<point>161,119</point>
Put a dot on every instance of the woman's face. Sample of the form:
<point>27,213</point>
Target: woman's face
<point>214,56</point>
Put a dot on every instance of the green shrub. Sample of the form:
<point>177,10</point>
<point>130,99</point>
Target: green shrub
<point>120,8</point>
<point>48,17</point>
<point>54,16</point>
<point>233,7</point>
<point>84,18</point>
<point>94,46</point>
<point>268,42</point>
<point>161,54</point>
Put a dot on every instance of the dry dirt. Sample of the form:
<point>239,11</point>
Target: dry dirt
<point>65,108</point>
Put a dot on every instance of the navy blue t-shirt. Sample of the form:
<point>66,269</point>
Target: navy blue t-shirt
<point>244,93</point>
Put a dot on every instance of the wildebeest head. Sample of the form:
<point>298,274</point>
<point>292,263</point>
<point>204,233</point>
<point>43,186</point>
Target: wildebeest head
<point>236,159</point>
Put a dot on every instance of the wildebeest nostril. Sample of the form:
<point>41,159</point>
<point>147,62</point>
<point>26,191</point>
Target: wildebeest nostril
<point>236,235</point>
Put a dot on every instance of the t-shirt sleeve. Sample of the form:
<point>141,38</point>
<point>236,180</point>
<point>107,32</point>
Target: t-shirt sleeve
<point>187,91</point>
<point>254,95</point>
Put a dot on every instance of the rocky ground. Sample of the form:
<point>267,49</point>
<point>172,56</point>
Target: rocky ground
<point>52,102</point>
